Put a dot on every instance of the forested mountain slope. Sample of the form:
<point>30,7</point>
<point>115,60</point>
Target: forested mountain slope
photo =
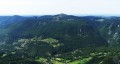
<point>52,36</point>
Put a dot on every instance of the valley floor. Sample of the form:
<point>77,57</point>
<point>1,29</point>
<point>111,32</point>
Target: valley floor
<point>101,55</point>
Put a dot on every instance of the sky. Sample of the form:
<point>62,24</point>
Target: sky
<point>45,7</point>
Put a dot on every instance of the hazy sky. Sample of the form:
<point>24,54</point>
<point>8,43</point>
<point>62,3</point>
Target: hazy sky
<point>41,7</point>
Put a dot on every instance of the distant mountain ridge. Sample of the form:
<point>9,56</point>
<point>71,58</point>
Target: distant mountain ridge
<point>70,30</point>
<point>6,20</point>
